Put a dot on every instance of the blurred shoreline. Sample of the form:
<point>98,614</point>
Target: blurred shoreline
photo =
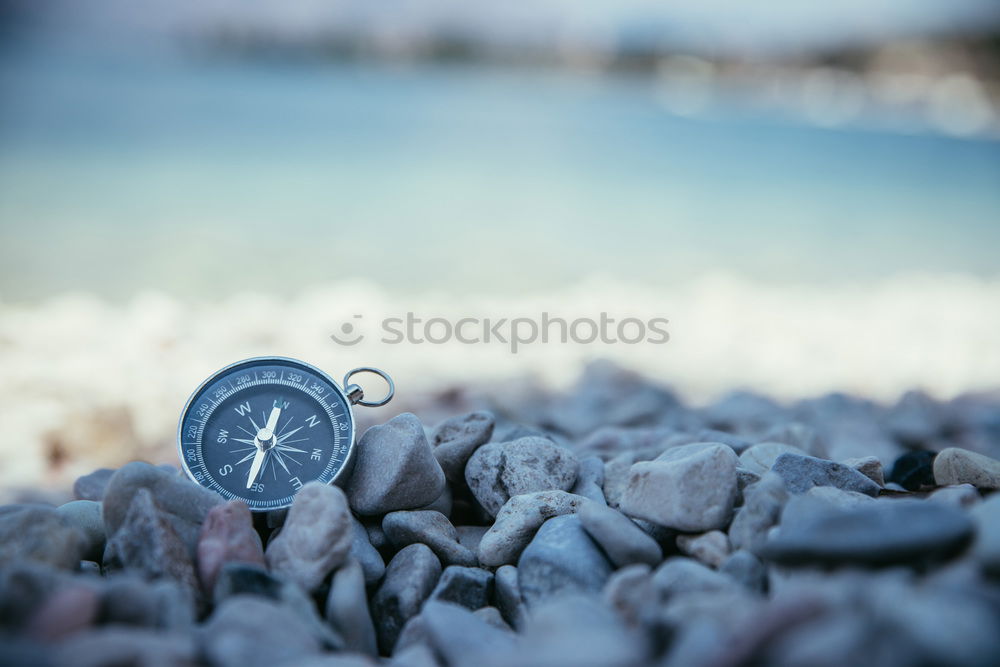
<point>89,382</point>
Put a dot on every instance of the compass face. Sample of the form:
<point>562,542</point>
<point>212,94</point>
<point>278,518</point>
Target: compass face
<point>260,429</point>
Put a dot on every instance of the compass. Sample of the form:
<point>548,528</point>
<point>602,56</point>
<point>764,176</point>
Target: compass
<point>261,428</point>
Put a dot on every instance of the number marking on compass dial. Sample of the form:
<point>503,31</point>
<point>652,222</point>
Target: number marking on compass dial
<point>260,429</point>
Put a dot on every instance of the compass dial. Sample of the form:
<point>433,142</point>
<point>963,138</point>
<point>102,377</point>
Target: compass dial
<point>260,429</point>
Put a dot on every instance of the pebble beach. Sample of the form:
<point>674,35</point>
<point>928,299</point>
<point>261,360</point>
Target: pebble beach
<point>608,524</point>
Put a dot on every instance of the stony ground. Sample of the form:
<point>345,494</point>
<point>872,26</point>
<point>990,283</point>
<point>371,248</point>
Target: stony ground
<point>609,526</point>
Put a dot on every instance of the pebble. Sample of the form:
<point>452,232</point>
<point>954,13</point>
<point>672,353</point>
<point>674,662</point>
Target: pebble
<point>747,569</point>
<point>959,495</point>
<point>117,645</point>
<point>986,549</point>
<point>409,580</point>
<point>616,477</point>
<point>590,479</point>
<point>561,558</point>
<point>443,504</point>
<point>500,470</point>
<point>710,548</point>
<point>456,439</point>
<point>960,466</point>
<point>316,537</point>
<point>91,487</point>
<point>147,543</point>
<point>430,528</point>
<point>869,466</point>
<point>882,532</point>
<point>347,609</point>
<point>86,515</point>
<point>395,468</point>
<point>762,456</point>
<point>579,630</point>
<point>469,587</point>
<point>691,493</point>
<point>39,534</point>
<point>761,510</point>
<point>684,575</point>
<point>237,580</point>
<point>227,536</point>
<point>66,612</point>
<point>801,473</point>
<point>183,503</point>
<point>365,553</point>
<point>471,536</point>
<point>799,435</point>
<point>492,616</point>
<point>913,470</point>
<point>517,521</point>
<point>462,638</point>
<point>628,593</point>
<point>623,542</point>
<point>250,631</point>
<point>508,595</point>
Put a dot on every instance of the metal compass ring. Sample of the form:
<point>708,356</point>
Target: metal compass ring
<point>356,394</point>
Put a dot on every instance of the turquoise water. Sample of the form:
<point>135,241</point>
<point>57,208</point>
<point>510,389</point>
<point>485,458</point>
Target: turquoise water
<point>203,178</point>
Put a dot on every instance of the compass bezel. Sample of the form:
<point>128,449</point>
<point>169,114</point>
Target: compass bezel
<point>338,478</point>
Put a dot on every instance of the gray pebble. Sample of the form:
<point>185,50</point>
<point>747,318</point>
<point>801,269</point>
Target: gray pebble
<point>623,542</point>
<point>347,609</point>
<point>628,593</point>
<point>236,580</point>
<point>409,580</point>
<point>127,646</point>
<point>86,515</point>
<point>492,616</point>
<point>498,471</point>
<point>454,441</point>
<point>590,479</point>
<point>442,504</point>
<point>684,575</point>
<point>249,631</point>
<point>802,473</point>
<point>746,569</point>
<point>580,630</point>
<point>365,553</point>
<point>761,510</point>
<point>147,543</point>
<point>430,528</point>
<point>693,491</point>
<point>986,550</point>
<point>874,533</point>
<point>761,457</point>
<point>91,487</point>
<point>39,534</point>
<point>959,495</point>
<point>461,638</point>
<point>517,521</point>
<point>395,468</point>
<point>470,536</point>
<point>561,558</point>
<point>508,595</point>
<point>469,587</point>
<point>183,503</point>
<point>869,466</point>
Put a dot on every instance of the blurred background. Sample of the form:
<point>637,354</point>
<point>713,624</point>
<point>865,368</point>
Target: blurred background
<point>809,192</point>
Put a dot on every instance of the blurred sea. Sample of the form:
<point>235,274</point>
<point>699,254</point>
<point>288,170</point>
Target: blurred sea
<point>162,218</point>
